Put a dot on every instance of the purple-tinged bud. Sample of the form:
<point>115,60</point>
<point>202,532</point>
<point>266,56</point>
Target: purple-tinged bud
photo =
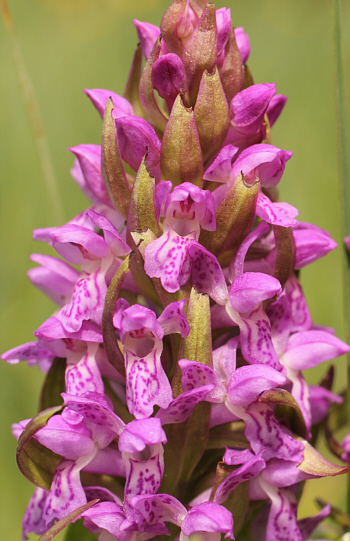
<point>311,244</point>
<point>211,113</point>
<point>112,167</point>
<point>178,24</point>
<point>181,156</point>
<point>275,108</point>
<point>200,52</point>
<point>231,72</point>
<point>148,100</point>
<point>131,91</point>
<point>169,77</point>
<point>249,107</point>
<point>99,98</point>
<point>243,44</point>
<point>234,217</point>
<point>135,137</point>
<point>148,34</point>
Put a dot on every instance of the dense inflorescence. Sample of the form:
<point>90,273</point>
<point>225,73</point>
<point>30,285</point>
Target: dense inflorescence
<point>182,333</point>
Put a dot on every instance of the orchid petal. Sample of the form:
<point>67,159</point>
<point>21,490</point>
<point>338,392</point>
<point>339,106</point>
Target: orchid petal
<point>282,214</point>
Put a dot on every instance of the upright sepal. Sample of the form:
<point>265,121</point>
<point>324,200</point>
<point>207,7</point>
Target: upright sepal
<point>112,167</point>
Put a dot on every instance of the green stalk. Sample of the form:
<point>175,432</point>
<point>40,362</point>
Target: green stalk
<point>56,210</point>
<point>344,170</point>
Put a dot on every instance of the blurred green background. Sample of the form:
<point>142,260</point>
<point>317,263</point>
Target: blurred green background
<point>69,45</point>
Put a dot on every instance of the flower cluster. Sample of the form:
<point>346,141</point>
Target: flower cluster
<point>182,332</point>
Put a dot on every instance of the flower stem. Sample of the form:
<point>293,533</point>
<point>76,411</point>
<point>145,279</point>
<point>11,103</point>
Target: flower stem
<point>56,211</point>
<point>344,170</point>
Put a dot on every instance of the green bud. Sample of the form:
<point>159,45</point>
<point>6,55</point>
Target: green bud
<point>211,113</point>
<point>181,156</point>
<point>112,167</point>
<point>155,114</point>
<point>168,26</point>
<point>200,52</point>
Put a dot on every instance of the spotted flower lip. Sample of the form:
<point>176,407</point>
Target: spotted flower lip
<point>175,401</point>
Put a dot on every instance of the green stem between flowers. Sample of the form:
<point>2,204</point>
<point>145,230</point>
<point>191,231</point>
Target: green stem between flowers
<point>344,170</point>
<point>56,210</point>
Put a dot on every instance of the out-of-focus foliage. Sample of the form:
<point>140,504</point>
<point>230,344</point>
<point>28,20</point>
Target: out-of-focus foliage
<point>69,45</point>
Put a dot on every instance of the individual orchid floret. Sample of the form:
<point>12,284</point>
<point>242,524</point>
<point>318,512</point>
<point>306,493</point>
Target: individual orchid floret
<point>142,451</point>
<point>54,277</point>
<point>265,162</point>
<point>311,243</point>
<point>248,291</point>
<point>141,334</point>
<point>186,209</point>
<point>248,108</point>
<point>204,518</point>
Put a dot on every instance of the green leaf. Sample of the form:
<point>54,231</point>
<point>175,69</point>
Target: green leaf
<point>36,462</point>
<point>77,532</point>
<point>61,524</point>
